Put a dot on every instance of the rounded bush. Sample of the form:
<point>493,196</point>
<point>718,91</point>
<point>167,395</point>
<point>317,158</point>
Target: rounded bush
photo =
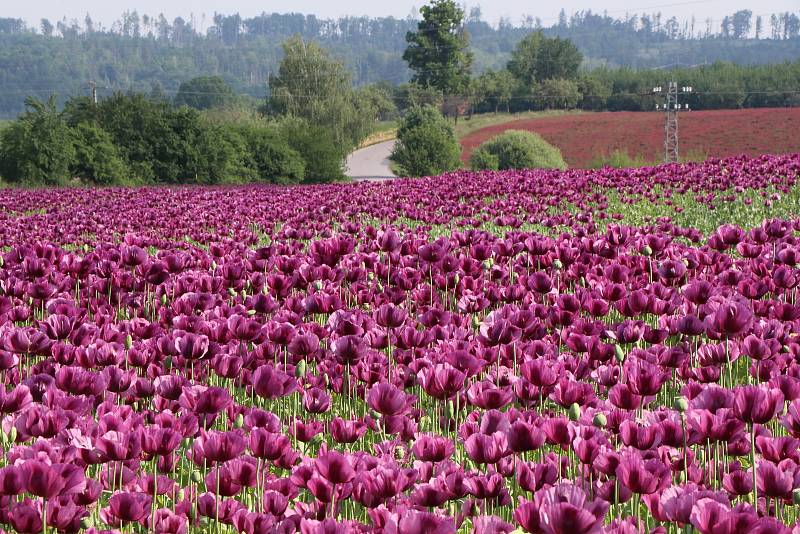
<point>426,144</point>
<point>517,149</point>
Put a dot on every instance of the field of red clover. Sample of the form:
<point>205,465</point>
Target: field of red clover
<point>547,352</point>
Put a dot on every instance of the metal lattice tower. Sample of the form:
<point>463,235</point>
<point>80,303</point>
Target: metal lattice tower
<point>671,106</point>
<point>671,125</point>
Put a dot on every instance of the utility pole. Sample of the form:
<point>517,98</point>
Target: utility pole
<point>93,86</point>
<point>671,106</point>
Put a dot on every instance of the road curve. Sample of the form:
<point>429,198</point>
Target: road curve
<point>371,163</point>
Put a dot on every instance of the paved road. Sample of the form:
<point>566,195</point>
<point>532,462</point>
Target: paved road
<point>371,163</point>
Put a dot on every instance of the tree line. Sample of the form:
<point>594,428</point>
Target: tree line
<point>301,133</point>
<point>152,54</point>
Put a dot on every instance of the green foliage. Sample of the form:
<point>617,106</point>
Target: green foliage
<point>409,95</point>
<point>97,159</point>
<point>205,92</point>
<point>133,56</point>
<point>38,148</point>
<point>438,52</point>
<point>314,87</point>
<point>516,149</point>
<point>323,159</point>
<point>426,144</point>
<point>380,98</point>
<point>594,92</point>
<point>537,58</point>
<point>268,156</point>
<point>132,139</point>
<point>483,160</point>
<point>495,89</point>
<point>558,93</point>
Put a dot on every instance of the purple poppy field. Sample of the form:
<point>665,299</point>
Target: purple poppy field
<point>526,351</point>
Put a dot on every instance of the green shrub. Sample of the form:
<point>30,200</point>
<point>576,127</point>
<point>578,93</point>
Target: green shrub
<point>516,149</point>
<point>268,156</point>
<point>426,144</point>
<point>322,155</point>
<point>38,148</point>
<point>482,159</point>
<point>97,159</point>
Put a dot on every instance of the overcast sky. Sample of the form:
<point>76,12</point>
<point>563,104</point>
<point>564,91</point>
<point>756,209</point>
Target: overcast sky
<point>106,11</point>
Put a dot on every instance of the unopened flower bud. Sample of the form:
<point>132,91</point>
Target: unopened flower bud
<point>300,369</point>
<point>619,354</point>
<point>600,420</point>
<point>128,342</point>
<point>647,251</point>
<point>681,404</point>
<point>557,265</point>
<point>238,422</point>
<point>197,478</point>
<point>574,412</point>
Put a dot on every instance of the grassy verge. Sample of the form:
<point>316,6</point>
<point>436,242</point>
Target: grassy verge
<point>620,159</point>
<point>467,126</point>
<point>384,131</point>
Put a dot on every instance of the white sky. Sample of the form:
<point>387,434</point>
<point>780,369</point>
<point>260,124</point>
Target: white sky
<point>109,10</point>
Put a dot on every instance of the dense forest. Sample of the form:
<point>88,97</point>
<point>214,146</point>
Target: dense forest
<point>153,55</point>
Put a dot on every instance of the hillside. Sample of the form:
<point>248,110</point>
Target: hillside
<point>147,54</point>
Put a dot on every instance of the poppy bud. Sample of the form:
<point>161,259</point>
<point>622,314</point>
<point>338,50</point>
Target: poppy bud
<point>86,523</point>
<point>251,312</point>
<point>574,412</point>
<point>318,285</point>
<point>370,276</point>
<point>238,422</point>
<point>213,265</point>
<point>197,478</point>
<point>379,287</point>
<point>456,278</point>
<point>300,369</point>
<point>619,354</point>
<point>681,404</point>
<point>326,379</point>
<point>181,495</point>
<point>398,453</point>
<point>647,251</point>
<point>231,292</point>
<point>557,265</point>
<point>487,264</point>
<point>164,299</point>
<point>2,261</point>
<point>476,322</point>
<point>128,342</point>
<point>12,434</point>
<point>600,420</point>
<point>244,295</point>
<point>450,409</point>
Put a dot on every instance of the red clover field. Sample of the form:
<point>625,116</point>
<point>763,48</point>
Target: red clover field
<point>526,351</point>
